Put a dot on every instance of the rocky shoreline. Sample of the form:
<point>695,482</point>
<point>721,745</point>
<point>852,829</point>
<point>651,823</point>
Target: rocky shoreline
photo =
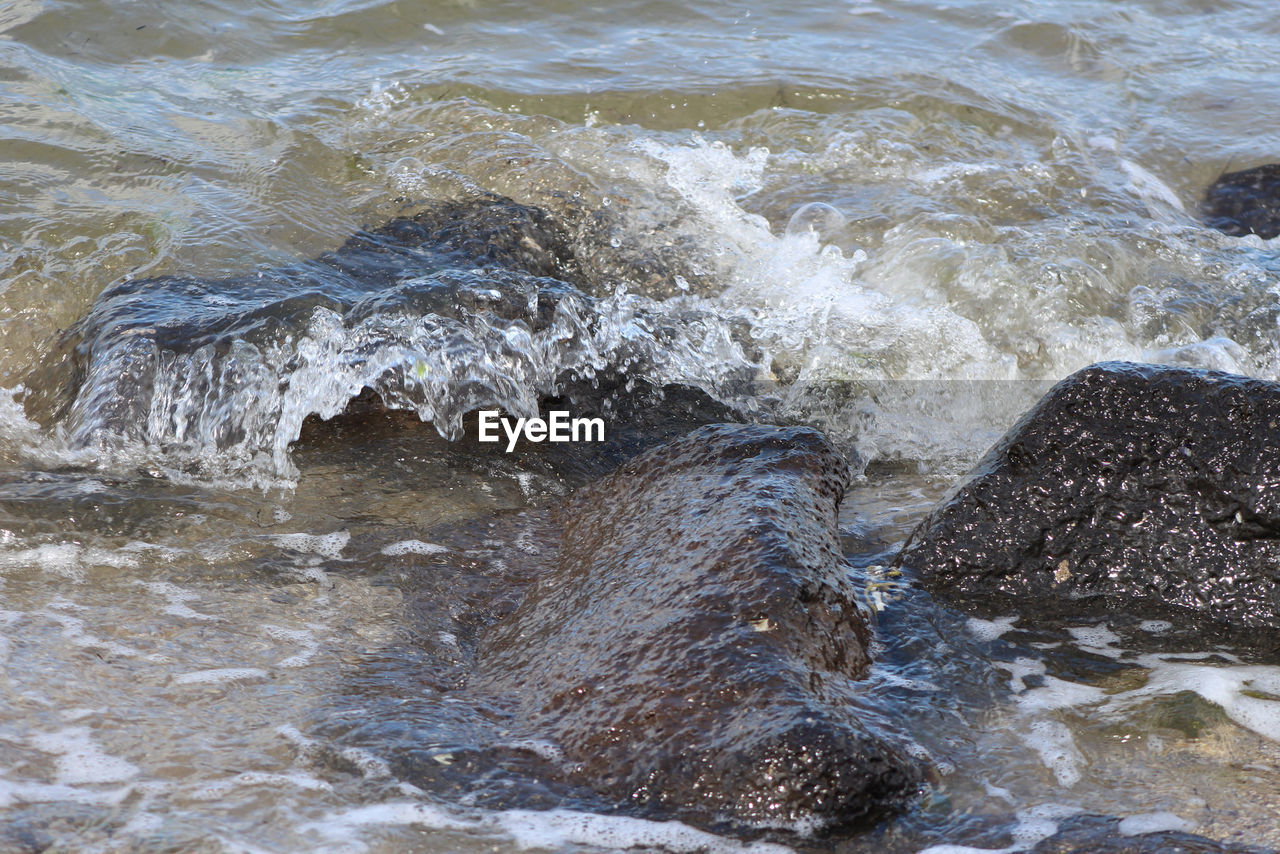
<point>689,641</point>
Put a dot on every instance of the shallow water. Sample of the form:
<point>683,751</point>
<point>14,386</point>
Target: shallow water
<point>902,219</point>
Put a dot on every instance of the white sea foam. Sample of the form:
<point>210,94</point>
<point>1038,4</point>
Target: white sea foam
<point>1234,688</point>
<point>989,630</point>
<point>1034,824</point>
<point>220,675</point>
<point>218,789</point>
<point>81,760</point>
<point>413,547</point>
<point>1099,640</point>
<point>1153,822</point>
<point>66,559</point>
<point>176,598</point>
<point>73,630</point>
<point>1057,749</point>
<point>537,829</point>
<point>1055,693</point>
<point>305,638</point>
<point>325,545</point>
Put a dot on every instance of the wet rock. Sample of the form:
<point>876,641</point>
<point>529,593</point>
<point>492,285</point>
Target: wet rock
<point>485,257</point>
<point>1088,834</point>
<point>1245,202</point>
<point>696,648</point>
<point>463,305</point>
<point>1130,488</point>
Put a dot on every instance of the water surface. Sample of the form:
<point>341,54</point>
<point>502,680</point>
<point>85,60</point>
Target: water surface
<point>902,219</point>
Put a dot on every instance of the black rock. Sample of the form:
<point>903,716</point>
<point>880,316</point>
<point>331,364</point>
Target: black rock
<point>1152,491</point>
<point>1245,202</point>
<point>694,650</point>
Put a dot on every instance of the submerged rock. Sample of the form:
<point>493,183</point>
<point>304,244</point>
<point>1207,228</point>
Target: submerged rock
<point>1092,834</point>
<point>695,649</point>
<point>1246,202</point>
<point>1134,488</point>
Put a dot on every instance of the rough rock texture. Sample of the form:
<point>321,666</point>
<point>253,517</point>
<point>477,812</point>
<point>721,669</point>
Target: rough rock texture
<point>1142,489</point>
<point>1245,202</point>
<point>693,651</point>
<point>1088,834</point>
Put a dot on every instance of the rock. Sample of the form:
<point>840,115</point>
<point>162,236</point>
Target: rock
<point>1245,202</point>
<point>1147,490</point>
<point>694,650</point>
<point>1092,834</point>
<point>464,305</point>
<point>143,338</point>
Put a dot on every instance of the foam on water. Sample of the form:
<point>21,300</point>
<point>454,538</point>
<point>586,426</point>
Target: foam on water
<point>1033,825</point>
<point>65,559</point>
<point>325,545</point>
<point>81,760</point>
<point>176,598</point>
<point>845,335</point>
<point>989,630</point>
<point>1153,822</point>
<point>413,547</point>
<point>902,251</point>
<point>850,334</point>
<point>1057,749</point>
<point>536,829</point>
<point>220,675</point>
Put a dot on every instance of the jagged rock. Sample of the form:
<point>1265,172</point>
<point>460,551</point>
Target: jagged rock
<point>694,650</point>
<point>1133,488</point>
<point>1245,202</point>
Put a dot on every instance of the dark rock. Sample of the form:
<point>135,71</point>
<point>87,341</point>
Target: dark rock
<point>462,305</point>
<point>1092,834</point>
<point>694,650</point>
<point>1133,488</point>
<point>1246,202</point>
<point>486,256</point>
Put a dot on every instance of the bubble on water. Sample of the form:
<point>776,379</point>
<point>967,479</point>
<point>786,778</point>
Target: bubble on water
<point>817,219</point>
